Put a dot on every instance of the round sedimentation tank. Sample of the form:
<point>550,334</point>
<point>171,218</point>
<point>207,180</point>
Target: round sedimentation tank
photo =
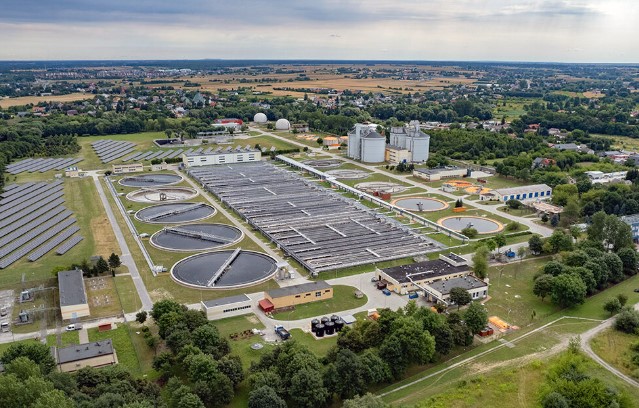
<point>162,194</point>
<point>319,330</point>
<point>314,324</point>
<point>226,269</point>
<point>482,225</point>
<point>420,204</point>
<point>380,187</point>
<point>150,180</point>
<point>260,118</point>
<point>323,163</point>
<point>330,328</point>
<point>348,174</point>
<point>173,213</point>
<point>196,237</point>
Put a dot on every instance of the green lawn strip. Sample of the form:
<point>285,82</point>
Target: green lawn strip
<point>266,142</point>
<point>613,347</point>
<point>242,347</point>
<point>127,293</point>
<point>343,299</point>
<point>67,338</point>
<point>128,355</point>
<point>319,346</point>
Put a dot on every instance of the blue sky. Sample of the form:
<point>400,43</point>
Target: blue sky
<point>515,30</point>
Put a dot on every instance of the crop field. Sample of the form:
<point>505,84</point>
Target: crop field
<point>25,100</point>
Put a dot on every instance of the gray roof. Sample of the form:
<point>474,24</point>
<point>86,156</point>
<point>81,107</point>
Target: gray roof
<point>298,289</point>
<point>226,300</point>
<point>466,282</point>
<point>522,189</point>
<point>438,170</point>
<point>83,351</point>
<point>72,291</point>
<point>630,219</point>
<point>373,135</point>
<point>423,270</point>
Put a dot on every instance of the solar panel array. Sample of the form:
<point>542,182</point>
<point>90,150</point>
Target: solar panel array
<point>160,154</point>
<point>110,150</point>
<point>33,222</point>
<point>40,165</point>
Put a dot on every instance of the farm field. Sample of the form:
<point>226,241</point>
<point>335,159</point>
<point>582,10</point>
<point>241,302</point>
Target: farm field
<point>34,100</point>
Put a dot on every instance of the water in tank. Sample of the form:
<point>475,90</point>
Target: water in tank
<point>330,328</point>
<point>314,324</point>
<point>319,330</point>
<point>339,324</point>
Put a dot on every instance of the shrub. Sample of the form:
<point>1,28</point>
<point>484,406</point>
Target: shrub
<point>469,232</point>
<point>627,321</point>
<point>513,226</point>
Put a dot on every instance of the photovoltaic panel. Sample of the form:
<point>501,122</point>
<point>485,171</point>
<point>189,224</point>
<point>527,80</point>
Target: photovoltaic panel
<point>66,247</point>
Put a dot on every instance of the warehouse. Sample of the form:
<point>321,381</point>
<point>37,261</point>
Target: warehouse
<point>440,173</point>
<point>296,295</point>
<point>227,307</point>
<point>127,168</point>
<point>73,295</point>
<point>73,358</point>
<point>222,156</point>
<point>418,276</point>
<point>533,192</point>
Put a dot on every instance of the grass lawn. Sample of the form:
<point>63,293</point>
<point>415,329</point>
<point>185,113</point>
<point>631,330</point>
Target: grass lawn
<point>343,299</point>
<point>613,347</point>
<point>67,338</point>
<point>128,356</point>
<point>318,346</point>
<point>143,141</point>
<point>242,347</point>
<point>266,142</point>
<point>127,293</point>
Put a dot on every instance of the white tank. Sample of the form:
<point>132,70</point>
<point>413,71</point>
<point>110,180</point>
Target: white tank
<point>282,124</point>
<point>373,148</point>
<point>260,118</point>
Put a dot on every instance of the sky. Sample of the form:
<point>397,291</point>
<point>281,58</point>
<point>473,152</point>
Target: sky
<point>460,30</point>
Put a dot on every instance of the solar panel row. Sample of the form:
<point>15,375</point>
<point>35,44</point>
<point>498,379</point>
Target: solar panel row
<point>4,240</point>
<point>41,165</point>
<point>66,247</point>
<point>44,210</point>
<point>54,242</point>
<point>109,150</point>
<point>57,197</point>
<point>22,193</point>
<point>154,154</point>
<point>18,205</point>
<point>17,243</point>
<point>15,190</point>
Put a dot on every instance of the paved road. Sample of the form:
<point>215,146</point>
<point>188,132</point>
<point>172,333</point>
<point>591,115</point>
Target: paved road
<point>126,258</point>
<point>585,346</point>
<point>535,228</point>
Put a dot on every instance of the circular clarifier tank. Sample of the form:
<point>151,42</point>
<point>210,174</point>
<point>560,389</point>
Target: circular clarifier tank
<point>226,269</point>
<point>420,204</point>
<point>482,225</point>
<point>162,194</point>
<point>150,180</point>
<point>173,213</point>
<point>196,237</point>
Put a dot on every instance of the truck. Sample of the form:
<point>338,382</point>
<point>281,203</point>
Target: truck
<point>282,332</point>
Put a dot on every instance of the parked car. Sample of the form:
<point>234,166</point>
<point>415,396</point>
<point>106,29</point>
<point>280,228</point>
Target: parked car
<point>386,292</point>
<point>4,326</point>
<point>3,311</point>
<point>73,327</point>
<point>374,279</point>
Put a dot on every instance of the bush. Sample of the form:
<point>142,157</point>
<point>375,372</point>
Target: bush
<point>627,321</point>
<point>514,204</point>
<point>470,232</point>
<point>513,226</point>
<point>141,316</point>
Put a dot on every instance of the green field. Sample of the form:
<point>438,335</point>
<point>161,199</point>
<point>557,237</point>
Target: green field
<point>128,354</point>
<point>343,299</point>
<point>613,347</point>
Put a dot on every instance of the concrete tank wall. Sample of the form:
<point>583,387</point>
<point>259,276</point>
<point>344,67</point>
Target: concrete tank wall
<point>373,150</point>
<point>420,148</point>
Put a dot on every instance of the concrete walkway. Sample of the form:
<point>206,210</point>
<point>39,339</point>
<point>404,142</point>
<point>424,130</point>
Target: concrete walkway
<point>83,335</point>
<point>125,257</point>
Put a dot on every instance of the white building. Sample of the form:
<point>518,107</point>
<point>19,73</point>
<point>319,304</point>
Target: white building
<point>535,192</point>
<point>366,144</point>
<point>440,173</point>
<point>260,118</point>
<point>219,156</point>
<point>227,307</point>
<point>282,124</point>
<point>411,138</point>
<point>599,177</point>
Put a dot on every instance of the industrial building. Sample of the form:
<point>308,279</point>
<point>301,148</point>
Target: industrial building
<point>73,295</point>
<point>433,278</point>
<point>288,296</point>
<point>409,137</point>
<point>95,354</point>
<point>227,307</point>
<point>633,222</point>
<point>127,168</point>
<point>440,173</point>
<point>599,177</point>
<point>222,156</point>
<point>396,154</point>
<point>365,144</point>
<point>535,192</point>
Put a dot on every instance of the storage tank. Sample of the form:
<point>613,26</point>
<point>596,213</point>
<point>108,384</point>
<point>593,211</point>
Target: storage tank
<point>282,124</point>
<point>420,147</point>
<point>260,118</point>
<point>330,328</point>
<point>339,325</point>
<point>354,139</point>
<point>325,320</point>
<point>334,318</point>
<point>314,324</point>
<point>319,330</point>
<point>373,148</point>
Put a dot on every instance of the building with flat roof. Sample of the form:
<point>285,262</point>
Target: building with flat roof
<point>477,288</point>
<point>127,168</point>
<point>440,173</point>
<point>535,192</point>
<point>633,222</point>
<point>288,296</point>
<point>411,278</point>
<point>227,307</point>
<point>412,139</point>
<point>396,154</point>
<point>222,156</point>
<point>73,296</point>
<point>95,354</point>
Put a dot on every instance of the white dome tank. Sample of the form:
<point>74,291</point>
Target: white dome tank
<point>282,124</point>
<point>260,118</point>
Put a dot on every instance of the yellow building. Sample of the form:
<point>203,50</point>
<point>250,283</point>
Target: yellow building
<point>127,168</point>
<point>298,294</point>
<point>396,155</point>
<point>95,354</point>
<point>73,295</point>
